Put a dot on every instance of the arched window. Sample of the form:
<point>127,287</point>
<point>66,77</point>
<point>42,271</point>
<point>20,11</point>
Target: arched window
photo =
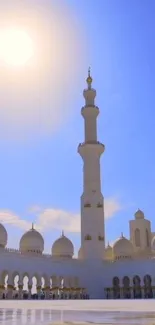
<point>147,279</point>
<point>116,287</point>
<point>126,287</point>
<point>136,280</point>
<point>88,237</point>
<point>147,238</point>
<point>148,292</point>
<point>115,281</point>
<point>137,237</point>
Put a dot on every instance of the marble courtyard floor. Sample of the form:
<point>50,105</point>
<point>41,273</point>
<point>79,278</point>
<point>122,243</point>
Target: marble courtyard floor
<point>73,312</point>
<point>83,305</point>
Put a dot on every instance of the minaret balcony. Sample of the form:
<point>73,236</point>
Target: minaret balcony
<point>95,147</point>
<point>89,110</point>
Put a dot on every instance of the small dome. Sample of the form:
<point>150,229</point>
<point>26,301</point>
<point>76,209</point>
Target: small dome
<point>153,244</point>
<point>32,242</point>
<point>108,252</point>
<point>3,236</point>
<point>139,214</point>
<point>122,248</point>
<point>63,247</point>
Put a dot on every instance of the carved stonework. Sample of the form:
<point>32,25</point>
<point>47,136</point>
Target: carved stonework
<point>88,237</point>
<point>87,205</point>
<point>99,205</point>
<point>101,238</point>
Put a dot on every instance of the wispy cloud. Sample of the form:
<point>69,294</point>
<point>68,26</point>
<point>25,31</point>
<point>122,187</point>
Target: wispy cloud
<point>57,219</point>
<point>8,217</point>
<point>35,209</point>
<point>111,207</point>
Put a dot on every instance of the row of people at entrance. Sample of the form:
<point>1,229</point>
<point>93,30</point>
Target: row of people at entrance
<point>42,296</point>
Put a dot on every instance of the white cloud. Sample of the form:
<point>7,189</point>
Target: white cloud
<point>56,218</point>
<point>35,209</point>
<point>59,219</point>
<point>7,217</point>
<point>111,206</point>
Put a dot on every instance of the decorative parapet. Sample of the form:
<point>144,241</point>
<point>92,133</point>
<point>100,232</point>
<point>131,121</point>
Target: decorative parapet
<point>24,254</point>
<point>91,142</point>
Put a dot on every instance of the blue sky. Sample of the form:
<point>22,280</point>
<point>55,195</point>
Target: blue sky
<point>41,171</point>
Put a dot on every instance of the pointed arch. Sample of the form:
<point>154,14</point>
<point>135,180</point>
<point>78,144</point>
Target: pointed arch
<point>116,287</point>
<point>137,287</point>
<point>137,237</point>
<point>148,292</point>
<point>126,287</point>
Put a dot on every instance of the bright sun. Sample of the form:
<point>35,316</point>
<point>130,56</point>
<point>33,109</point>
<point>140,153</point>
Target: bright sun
<point>16,47</point>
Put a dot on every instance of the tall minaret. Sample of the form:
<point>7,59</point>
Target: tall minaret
<point>92,203</point>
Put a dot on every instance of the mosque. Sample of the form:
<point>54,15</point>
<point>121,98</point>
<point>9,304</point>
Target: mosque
<point>125,270</point>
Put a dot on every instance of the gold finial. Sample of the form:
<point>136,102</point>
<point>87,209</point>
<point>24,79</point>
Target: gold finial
<point>89,72</point>
<point>89,79</point>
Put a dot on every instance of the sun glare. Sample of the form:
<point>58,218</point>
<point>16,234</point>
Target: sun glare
<point>16,47</point>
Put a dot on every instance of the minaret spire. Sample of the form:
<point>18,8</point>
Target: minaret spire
<point>92,212</point>
<point>89,79</point>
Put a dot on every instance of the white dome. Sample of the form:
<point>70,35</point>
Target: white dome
<point>32,242</point>
<point>108,252</point>
<point>122,248</point>
<point>3,236</point>
<point>153,244</point>
<point>63,247</point>
<point>139,214</point>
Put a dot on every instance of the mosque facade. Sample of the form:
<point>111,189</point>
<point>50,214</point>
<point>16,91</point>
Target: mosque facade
<point>125,270</point>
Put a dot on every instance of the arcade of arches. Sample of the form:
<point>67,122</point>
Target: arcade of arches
<point>16,286</point>
<point>135,288</point>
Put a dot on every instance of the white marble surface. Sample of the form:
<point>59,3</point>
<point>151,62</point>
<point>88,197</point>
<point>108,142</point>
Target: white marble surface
<point>83,305</point>
<point>76,313</point>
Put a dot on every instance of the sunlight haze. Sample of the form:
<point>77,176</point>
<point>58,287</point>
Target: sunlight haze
<point>39,49</point>
<point>16,47</point>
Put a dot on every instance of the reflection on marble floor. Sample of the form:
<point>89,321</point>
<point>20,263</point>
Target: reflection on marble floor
<point>51,317</point>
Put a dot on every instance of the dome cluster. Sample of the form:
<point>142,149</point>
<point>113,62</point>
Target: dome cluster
<point>33,242</point>
<point>121,249</point>
<point>63,247</point>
